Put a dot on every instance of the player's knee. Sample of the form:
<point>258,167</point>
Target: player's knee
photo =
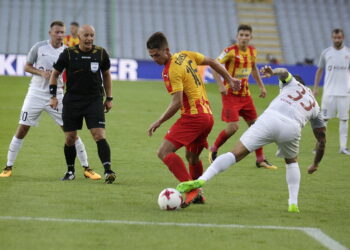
<point>231,129</point>
<point>22,131</point>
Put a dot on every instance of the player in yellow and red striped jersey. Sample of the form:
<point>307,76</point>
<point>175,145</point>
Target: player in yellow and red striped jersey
<point>183,82</point>
<point>72,39</point>
<point>240,61</point>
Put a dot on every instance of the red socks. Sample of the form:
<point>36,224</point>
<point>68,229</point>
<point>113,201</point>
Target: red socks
<point>259,155</point>
<point>196,170</point>
<point>177,167</point>
<point>221,139</point>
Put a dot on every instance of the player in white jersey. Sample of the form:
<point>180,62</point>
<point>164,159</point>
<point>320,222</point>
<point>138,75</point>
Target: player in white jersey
<point>335,60</point>
<point>281,123</point>
<point>40,61</point>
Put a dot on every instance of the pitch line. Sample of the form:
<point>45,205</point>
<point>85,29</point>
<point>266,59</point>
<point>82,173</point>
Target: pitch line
<point>314,233</point>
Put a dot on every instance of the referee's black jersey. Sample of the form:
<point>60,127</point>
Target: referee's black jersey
<point>83,69</point>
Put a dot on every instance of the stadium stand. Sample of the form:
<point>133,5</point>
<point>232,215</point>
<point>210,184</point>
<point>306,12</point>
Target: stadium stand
<point>288,30</point>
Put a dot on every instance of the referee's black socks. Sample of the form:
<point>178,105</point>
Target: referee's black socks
<point>70,153</point>
<point>104,152</point>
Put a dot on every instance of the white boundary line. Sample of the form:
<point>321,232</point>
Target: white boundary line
<point>314,233</point>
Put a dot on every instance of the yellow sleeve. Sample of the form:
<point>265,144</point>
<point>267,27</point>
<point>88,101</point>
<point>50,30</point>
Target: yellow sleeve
<point>225,56</point>
<point>196,56</point>
<point>175,77</point>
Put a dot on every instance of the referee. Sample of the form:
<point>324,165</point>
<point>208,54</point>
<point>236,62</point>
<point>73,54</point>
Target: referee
<point>85,63</point>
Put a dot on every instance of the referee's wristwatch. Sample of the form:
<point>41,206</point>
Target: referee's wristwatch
<point>109,98</point>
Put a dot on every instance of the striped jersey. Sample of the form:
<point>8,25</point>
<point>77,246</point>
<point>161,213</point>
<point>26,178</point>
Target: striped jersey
<point>70,41</point>
<point>181,74</point>
<point>239,64</point>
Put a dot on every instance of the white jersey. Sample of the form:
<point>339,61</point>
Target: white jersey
<point>337,66</point>
<point>42,55</point>
<point>297,103</point>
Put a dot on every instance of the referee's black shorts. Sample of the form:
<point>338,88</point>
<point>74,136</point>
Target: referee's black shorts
<point>77,107</point>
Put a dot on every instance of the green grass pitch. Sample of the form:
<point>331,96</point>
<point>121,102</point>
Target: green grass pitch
<point>242,195</point>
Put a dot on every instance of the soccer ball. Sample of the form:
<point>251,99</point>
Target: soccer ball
<point>169,199</point>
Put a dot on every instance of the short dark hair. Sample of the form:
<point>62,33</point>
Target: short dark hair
<point>337,31</point>
<point>157,41</point>
<point>245,27</point>
<point>75,24</point>
<point>57,23</point>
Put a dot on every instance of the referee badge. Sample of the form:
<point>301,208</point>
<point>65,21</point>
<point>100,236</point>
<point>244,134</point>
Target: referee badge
<point>94,66</point>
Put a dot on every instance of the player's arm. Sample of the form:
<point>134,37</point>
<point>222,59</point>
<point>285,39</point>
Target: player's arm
<point>234,83</point>
<point>107,84</point>
<point>28,67</point>
<point>174,106</point>
<point>320,135</point>
<point>53,88</point>
<point>257,78</point>
<point>317,80</point>
<point>219,82</point>
<point>282,73</point>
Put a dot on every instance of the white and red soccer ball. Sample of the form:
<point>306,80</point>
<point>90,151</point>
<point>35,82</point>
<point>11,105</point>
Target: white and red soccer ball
<point>169,199</point>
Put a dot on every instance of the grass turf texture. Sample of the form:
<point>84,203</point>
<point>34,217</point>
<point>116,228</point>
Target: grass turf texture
<point>242,195</point>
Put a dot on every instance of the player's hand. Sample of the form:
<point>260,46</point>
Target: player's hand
<point>46,74</point>
<point>53,102</point>
<point>266,72</point>
<point>263,92</point>
<point>108,105</point>
<point>153,128</point>
<point>312,169</point>
<point>235,84</point>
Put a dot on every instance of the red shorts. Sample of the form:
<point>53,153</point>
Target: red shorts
<point>234,106</point>
<point>191,131</point>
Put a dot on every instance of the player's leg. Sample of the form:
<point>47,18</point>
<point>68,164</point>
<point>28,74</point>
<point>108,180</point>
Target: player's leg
<point>70,154</point>
<point>253,138</point>
<point>220,164</point>
<point>229,114</point>
<point>195,148</point>
<point>14,148</point>
<point>56,115</point>
<point>104,153</point>
<point>173,161</point>
<point>72,121</point>
<point>248,112</point>
<point>293,182</point>
<point>288,148</point>
<point>30,114</point>
<point>343,114</point>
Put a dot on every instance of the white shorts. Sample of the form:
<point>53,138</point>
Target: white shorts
<point>335,106</point>
<point>273,127</point>
<point>33,106</point>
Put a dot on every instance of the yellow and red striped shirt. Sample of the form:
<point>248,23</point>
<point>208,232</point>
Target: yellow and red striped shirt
<point>181,74</point>
<point>70,41</point>
<point>239,64</point>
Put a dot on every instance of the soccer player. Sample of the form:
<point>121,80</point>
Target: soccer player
<point>336,89</point>
<point>281,123</point>
<point>182,81</point>
<point>239,60</point>
<point>39,63</point>
<point>72,39</point>
<point>87,67</point>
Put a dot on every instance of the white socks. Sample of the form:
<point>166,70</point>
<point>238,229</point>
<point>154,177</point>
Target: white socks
<point>81,152</point>
<point>293,181</point>
<point>220,164</point>
<point>14,148</point>
<point>343,134</point>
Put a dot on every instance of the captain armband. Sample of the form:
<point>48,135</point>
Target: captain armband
<point>288,79</point>
<point>53,90</point>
